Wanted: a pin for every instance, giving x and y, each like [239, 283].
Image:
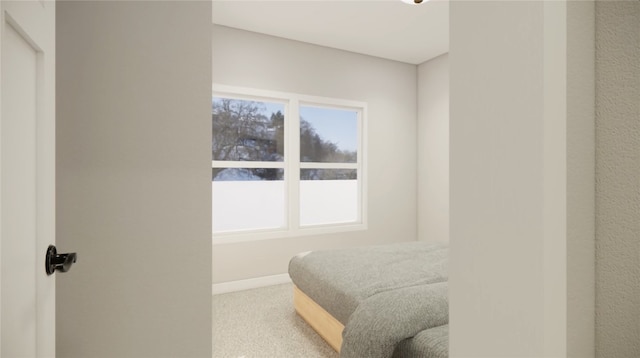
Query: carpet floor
[261, 323]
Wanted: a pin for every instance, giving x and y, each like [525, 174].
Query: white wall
[497, 229]
[433, 149]
[618, 178]
[247, 59]
[133, 178]
[515, 210]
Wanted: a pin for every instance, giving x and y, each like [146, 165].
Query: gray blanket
[430, 343]
[387, 318]
[339, 280]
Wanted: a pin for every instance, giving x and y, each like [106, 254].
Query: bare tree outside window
[247, 131]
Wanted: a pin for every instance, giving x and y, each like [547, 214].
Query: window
[285, 165]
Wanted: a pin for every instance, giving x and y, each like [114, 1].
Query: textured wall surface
[618, 179]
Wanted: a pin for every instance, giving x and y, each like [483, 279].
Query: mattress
[339, 280]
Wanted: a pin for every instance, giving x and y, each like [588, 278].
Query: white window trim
[292, 165]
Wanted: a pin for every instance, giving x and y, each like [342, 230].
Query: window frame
[292, 164]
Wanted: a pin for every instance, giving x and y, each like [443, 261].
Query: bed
[378, 301]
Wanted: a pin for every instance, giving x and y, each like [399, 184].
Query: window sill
[259, 235]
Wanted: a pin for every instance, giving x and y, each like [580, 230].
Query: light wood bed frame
[329, 328]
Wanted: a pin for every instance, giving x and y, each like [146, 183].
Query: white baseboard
[241, 285]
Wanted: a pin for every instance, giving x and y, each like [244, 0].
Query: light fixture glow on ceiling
[414, 2]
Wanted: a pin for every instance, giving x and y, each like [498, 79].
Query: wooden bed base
[329, 328]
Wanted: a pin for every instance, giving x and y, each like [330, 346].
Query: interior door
[27, 174]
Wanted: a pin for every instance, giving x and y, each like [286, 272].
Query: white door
[27, 174]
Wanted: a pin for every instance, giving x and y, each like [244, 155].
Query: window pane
[243, 200]
[328, 199]
[247, 174]
[328, 174]
[328, 135]
[247, 130]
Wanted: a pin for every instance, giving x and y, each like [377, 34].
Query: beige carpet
[262, 323]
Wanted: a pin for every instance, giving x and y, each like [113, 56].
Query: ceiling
[388, 29]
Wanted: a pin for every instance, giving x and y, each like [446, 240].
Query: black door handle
[60, 262]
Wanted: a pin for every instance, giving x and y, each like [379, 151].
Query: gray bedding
[430, 343]
[384, 320]
[392, 299]
[339, 280]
